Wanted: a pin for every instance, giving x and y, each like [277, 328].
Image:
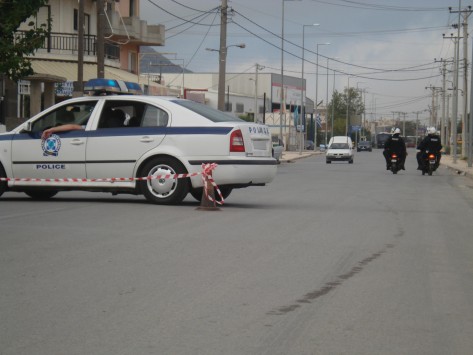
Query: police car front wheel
[162, 187]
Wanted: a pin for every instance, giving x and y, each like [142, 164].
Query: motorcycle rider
[430, 143]
[395, 144]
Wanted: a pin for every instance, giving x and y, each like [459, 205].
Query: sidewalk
[460, 167]
[289, 157]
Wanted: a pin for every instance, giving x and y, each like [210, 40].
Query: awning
[68, 70]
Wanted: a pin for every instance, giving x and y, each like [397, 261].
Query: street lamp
[348, 107]
[282, 70]
[221, 72]
[316, 92]
[302, 84]
[363, 121]
[258, 67]
[333, 91]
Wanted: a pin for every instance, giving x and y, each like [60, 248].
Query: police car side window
[154, 117]
[78, 113]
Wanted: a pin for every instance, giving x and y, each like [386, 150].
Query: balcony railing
[69, 43]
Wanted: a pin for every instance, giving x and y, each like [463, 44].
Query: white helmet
[397, 130]
[431, 130]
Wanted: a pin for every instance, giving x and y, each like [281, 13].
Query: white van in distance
[340, 148]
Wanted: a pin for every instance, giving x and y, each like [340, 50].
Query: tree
[15, 46]
[350, 98]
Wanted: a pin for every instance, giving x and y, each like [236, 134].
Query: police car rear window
[208, 112]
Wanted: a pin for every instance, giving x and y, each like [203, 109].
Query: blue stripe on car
[123, 131]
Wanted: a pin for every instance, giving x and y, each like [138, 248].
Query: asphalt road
[328, 259]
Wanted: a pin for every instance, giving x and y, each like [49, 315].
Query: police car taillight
[236, 142]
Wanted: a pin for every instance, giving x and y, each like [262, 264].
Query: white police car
[134, 137]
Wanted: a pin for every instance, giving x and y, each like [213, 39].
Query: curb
[293, 156]
[458, 169]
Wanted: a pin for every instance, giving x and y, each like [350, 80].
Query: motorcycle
[430, 163]
[395, 163]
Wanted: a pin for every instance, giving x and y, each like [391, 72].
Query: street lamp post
[303, 86]
[361, 91]
[221, 72]
[283, 104]
[348, 107]
[316, 91]
[333, 106]
[258, 67]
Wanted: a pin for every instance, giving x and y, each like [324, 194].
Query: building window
[240, 108]
[132, 8]
[132, 63]
[76, 20]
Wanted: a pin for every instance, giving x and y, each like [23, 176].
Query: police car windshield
[206, 111]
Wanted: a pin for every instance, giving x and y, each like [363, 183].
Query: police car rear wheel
[41, 195]
[164, 190]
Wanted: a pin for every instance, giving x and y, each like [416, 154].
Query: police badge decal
[51, 145]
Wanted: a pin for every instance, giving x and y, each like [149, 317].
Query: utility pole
[433, 114]
[79, 85]
[465, 13]
[443, 120]
[222, 56]
[100, 40]
[455, 84]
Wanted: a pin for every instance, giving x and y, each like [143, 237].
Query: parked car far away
[364, 146]
[309, 145]
[340, 148]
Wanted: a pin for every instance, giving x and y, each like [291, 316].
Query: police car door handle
[77, 142]
[146, 139]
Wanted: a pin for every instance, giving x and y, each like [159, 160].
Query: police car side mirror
[27, 127]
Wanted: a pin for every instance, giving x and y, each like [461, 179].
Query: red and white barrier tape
[206, 176]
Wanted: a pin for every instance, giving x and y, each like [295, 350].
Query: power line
[370, 6]
[178, 17]
[298, 46]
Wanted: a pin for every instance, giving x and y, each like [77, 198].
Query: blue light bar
[100, 86]
[134, 88]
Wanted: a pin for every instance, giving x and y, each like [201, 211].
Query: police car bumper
[237, 172]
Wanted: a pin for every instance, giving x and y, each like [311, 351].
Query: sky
[389, 48]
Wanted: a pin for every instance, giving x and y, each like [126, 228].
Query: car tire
[350, 161]
[3, 184]
[197, 193]
[328, 162]
[41, 195]
[164, 191]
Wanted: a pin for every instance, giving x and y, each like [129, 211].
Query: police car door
[127, 129]
[62, 155]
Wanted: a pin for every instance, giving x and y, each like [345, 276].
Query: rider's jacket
[431, 143]
[395, 144]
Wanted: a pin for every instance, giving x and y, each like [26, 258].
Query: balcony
[65, 46]
[133, 30]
